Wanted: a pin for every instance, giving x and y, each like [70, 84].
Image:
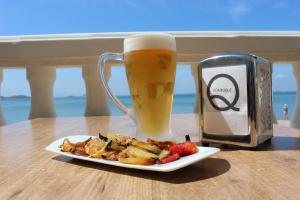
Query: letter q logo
[211, 97]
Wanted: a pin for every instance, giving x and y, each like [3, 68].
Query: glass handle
[106, 57]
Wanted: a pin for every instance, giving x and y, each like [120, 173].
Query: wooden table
[27, 171]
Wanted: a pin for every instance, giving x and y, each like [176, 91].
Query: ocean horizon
[16, 108]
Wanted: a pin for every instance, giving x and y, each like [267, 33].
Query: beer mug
[150, 63]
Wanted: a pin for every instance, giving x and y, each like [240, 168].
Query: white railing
[42, 54]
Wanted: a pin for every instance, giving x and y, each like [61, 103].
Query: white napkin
[226, 112]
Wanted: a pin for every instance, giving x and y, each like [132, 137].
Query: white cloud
[238, 9]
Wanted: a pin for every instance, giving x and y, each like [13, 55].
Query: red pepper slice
[170, 158]
[184, 149]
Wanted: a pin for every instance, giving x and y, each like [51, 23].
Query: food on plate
[161, 144]
[96, 147]
[129, 150]
[119, 139]
[184, 149]
[144, 145]
[163, 154]
[137, 161]
[67, 146]
[140, 153]
[170, 158]
[77, 148]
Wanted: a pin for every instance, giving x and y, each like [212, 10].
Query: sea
[17, 109]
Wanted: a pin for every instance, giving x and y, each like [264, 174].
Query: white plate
[203, 152]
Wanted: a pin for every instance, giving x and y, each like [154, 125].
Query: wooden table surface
[27, 171]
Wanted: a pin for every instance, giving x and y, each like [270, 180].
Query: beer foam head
[150, 41]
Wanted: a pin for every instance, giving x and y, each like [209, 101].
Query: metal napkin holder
[235, 122]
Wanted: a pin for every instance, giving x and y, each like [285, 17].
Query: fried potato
[67, 146]
[116, 147]
[119, 139]
[82, 144]
[161, 144]
[165, 153]
[123, 154]
[139, 153]
[143, 145]
[77, 148]
[110, 155]
[80, 151]
[95, 147]
[137, 161]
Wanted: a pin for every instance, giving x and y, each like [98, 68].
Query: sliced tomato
[170, 158]
[184, 149]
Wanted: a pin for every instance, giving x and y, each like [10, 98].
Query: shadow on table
[280, 143]
[277, 143]
[205, 169]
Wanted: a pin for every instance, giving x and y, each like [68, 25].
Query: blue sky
[81, 16]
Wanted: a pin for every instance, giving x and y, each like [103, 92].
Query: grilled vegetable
[116, 147]
[102, 137]
[95, 147]
[165, 153]
[143, 145]
[139, 153]
[184, 149]
[187, 138]
[80, 151]
[110, 155]
[76, 148]
[67, 146]
[137, 161]
[119, 139]
[170, 158]
[161, 144]
[82, 144]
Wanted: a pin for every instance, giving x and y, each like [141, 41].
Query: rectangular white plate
[203, 153]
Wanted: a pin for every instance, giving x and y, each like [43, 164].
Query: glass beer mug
[150, 63]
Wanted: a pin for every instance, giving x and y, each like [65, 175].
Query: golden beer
[151, 75]
[150, 62]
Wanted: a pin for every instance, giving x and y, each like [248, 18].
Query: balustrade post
[2, 119]
[96, 98]
[41, 81]
[274, 116]
[194, 70]
[295, 122]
